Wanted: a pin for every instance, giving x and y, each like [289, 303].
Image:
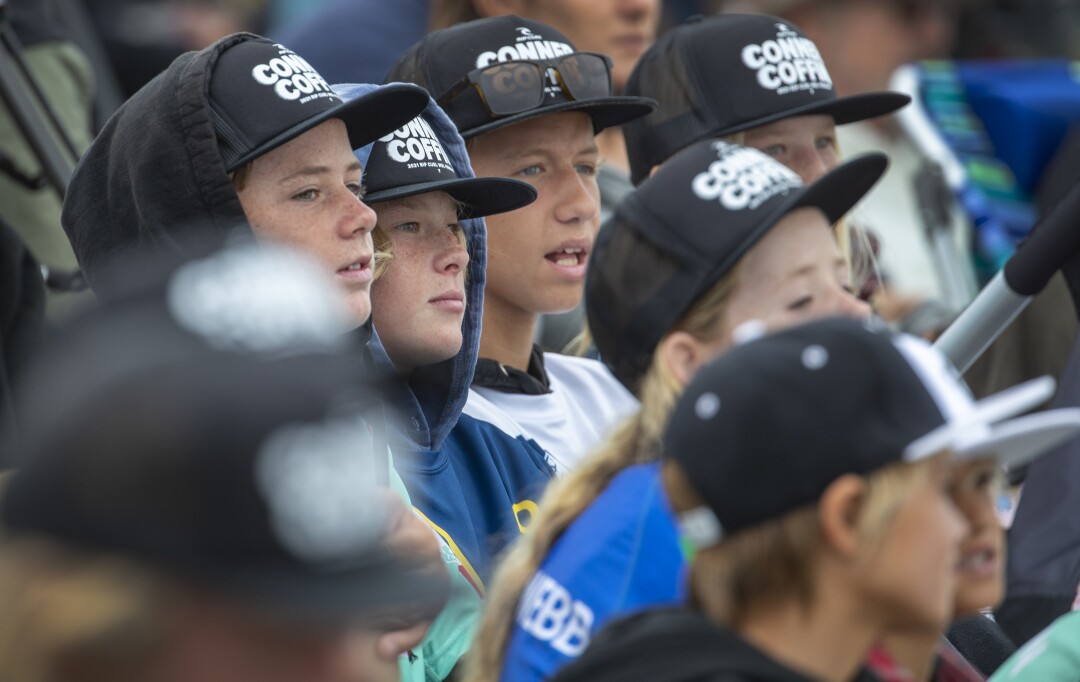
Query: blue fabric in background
[1027, 108]
[355, 41]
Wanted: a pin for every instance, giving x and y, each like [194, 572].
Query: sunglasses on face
[509, 88]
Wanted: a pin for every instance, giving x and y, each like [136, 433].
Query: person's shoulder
[579, 375]
[482, 408]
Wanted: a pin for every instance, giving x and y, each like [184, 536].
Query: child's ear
[495, 8]
[839, 510]
[683, 354]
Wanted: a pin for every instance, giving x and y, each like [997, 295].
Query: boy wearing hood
[246, 133]
[467, 476]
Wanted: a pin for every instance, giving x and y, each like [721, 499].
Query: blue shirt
[620, 555]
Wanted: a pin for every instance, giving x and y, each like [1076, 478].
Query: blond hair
[775, 561]
[70, 615]
[636, 441]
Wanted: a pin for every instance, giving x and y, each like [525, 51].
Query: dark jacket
[675, 645]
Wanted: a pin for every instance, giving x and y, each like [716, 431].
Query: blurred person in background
[199, 494]
[245, 135]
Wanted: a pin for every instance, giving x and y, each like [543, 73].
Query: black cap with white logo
[673, 238]
[731, 72]
[411, 161]
[765, 428]
[263, 94]
[443, 59]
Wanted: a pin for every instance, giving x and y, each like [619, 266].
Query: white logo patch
[743, 178]
[260, 298]
[790, 63]
[551, 614]
[292, 78]
[317, 480]
[415, 144]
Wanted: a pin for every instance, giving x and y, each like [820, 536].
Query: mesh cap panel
[677, 121]
[635, 291]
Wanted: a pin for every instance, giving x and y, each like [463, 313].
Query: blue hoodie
[476, 478]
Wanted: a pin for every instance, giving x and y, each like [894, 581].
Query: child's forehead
[426, 201]
[560, 133]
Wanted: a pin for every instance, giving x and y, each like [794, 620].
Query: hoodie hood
[673, 645]
[435, 395]
[153, 176]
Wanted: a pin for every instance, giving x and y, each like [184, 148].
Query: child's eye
[530, 171]
[774, 150]
[586, 169]
[801, 303]
[307, 195]
[825, 142]
[408, 226]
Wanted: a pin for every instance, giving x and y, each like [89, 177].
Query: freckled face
[305, 194]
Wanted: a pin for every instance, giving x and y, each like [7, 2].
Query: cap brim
[836, 192]
[479, 196]
[1019, 441]
[365, 594]
[984, 431]
[366, 118]
[844, 110]
[605, 112]
[833, 193]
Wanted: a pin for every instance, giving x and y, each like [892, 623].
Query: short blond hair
[775, 561]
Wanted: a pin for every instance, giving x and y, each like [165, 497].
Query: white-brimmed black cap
[765, 428]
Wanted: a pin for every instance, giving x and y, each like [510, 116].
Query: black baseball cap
[669, 241]
[727, 73]
[411, 161]
[766, 427]
[224, 434]
[262, 94]
[442, 58]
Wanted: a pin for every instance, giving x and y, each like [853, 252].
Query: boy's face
[419, 301]
[305, 194]
[805, 144]
[980, 580]
[911, 576]
[537, 254]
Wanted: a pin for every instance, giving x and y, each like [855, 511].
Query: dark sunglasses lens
[586, 76]
[512, 87]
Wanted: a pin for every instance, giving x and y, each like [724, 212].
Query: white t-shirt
[585, 405]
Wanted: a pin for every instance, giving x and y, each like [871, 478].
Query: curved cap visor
[366, 119]
[261, 95]
[1020, 441]
[843, 110]
[479, 196]
[605, 112]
